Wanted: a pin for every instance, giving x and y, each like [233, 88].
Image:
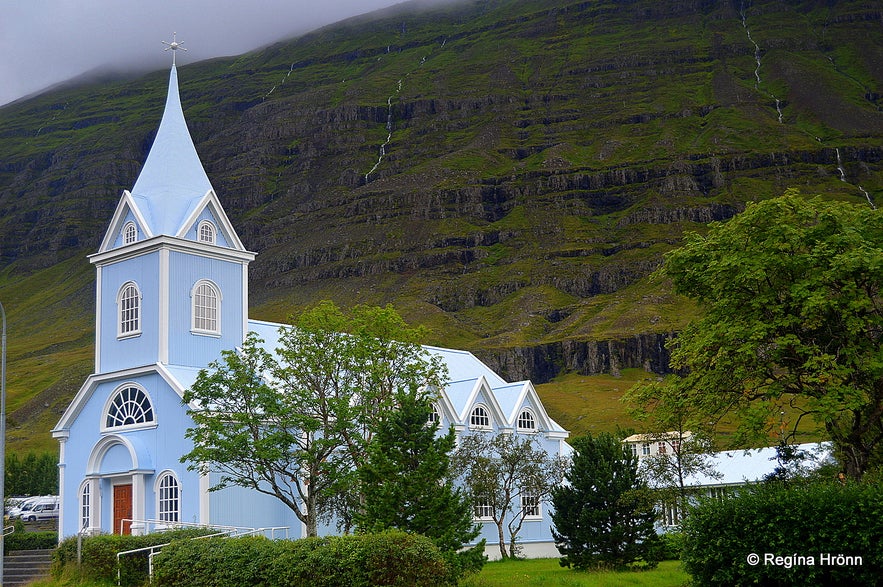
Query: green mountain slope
[508, 172]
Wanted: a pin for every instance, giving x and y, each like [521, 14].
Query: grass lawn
[546, 572]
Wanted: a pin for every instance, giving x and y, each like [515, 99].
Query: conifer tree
[406, 485]
[604, 513]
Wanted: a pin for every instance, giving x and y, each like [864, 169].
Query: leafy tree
[507, 476]
[603, 512]
[33, 475]
[792, 322]
[669, 417]
[407, 485]
[295, 424]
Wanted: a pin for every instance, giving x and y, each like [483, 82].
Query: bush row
[99, 555]
[391, 558]
[811, 534]
[30, 541]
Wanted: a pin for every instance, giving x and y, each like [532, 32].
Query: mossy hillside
[543, 158]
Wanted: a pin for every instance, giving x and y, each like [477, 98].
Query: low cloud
[44, 42]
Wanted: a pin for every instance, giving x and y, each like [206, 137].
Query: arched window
[526, 421]
[129, 303]
[86, 505]
[479, 417]
[130, 233]
[206, 314]
[168, 498]
[206, 232]
[434, 416]
[129, 406]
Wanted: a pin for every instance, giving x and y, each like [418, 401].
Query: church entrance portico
[116, 469]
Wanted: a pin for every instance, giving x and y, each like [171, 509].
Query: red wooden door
[122, 509]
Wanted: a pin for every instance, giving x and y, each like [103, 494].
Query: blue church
[172, 293]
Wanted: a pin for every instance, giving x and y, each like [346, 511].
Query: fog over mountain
[47, 42]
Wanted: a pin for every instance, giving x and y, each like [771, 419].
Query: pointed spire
[172, 180]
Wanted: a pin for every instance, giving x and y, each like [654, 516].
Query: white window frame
[207, 232]
[434, 415]
[480, 418]
[145, 406]
[168, 507]
[526, 416]
[534, 504]
[129, 310]
[130, 233]
[645, 449]
[199, 322]
[482, 509]
[86, 504]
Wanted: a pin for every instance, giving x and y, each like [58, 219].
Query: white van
[23, 505]
[35, 508]
[44, 509]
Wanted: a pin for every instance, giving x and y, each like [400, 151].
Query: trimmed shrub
[99, 554]
[811, 534]
[30, 541]
[218, 562]
[392, 558]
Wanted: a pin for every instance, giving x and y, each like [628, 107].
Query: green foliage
[604, 515]
[787, 521]
[99, 554]
[21, 540]
[391, 558]
[335, 378]
[32, 475]
[791, 290]
[672, 545]
[407, 485]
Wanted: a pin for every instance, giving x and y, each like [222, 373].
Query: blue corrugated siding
[138, 350]
[186, 348]
[237, 506]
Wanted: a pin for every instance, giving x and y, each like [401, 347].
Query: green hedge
[810, 534]
[391, 558]
[30, 541]
[99, 554]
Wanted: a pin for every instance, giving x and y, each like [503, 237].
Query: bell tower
[172, 274]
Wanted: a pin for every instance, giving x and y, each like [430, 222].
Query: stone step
[20, 567]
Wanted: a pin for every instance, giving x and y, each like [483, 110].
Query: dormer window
[434, 416]
[480, 418]
[130, 233]
[206, 232]
[526, 421]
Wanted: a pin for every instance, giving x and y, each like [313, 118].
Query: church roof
[469, 381]
[172, 182]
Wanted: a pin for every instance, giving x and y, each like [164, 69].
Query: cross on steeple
[174, 46]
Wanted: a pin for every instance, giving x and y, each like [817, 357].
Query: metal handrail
[8, 530]
[226, 531]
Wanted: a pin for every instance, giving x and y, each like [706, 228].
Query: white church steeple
[172, 273]
[173, 180]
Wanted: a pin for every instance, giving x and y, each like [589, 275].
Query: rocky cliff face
[508, 172]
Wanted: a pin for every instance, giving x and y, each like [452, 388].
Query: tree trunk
[502, 536]
[312, 524]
